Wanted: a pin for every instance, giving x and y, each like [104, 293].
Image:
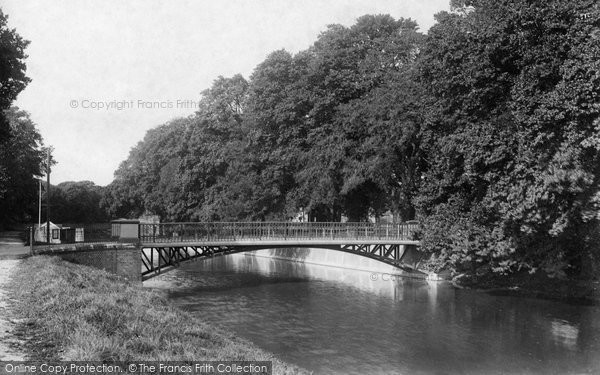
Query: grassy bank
[72, 312]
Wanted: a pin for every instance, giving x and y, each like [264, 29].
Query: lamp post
[48, 198]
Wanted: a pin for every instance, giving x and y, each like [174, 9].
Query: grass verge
[72, 312]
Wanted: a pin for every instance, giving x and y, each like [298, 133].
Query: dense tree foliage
[12, 72]
[513, 148]
[19, 139]
[352, 74]
[75, 203]
[20, 163]
[487, 129]
[314, 131]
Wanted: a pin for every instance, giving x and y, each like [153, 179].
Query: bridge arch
[160, 259]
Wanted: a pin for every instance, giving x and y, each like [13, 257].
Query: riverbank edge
[575, 292]
[72, 312]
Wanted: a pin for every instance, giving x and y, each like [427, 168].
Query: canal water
[334, 320]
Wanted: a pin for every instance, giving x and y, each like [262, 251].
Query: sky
[106, 71]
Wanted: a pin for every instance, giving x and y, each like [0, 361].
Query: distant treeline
[76, 202]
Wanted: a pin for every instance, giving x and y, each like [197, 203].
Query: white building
[40, 233]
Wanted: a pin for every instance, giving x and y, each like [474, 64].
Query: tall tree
[350, 70]
[20, 162]
[384, 157]
[147, 180]
[12, 71]
[193, 168]
[278, 104]
[216, 141]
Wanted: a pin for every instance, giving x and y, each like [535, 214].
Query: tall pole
[48, 198]
[40, 204]
[39, 227]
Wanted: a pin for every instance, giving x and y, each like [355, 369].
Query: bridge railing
[240, 231]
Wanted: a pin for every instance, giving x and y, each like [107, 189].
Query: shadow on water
[333, 320]
[573, 301]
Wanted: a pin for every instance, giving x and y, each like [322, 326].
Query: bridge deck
[275, 234]
[275, 242]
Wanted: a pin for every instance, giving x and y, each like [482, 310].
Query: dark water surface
[332, 320]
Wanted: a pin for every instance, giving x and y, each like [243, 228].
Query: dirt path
[7, 351]
[12, 246]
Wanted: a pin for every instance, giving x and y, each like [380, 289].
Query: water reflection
[342, 321]
[565, 333]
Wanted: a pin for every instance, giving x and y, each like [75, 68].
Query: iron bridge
[166, 245]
